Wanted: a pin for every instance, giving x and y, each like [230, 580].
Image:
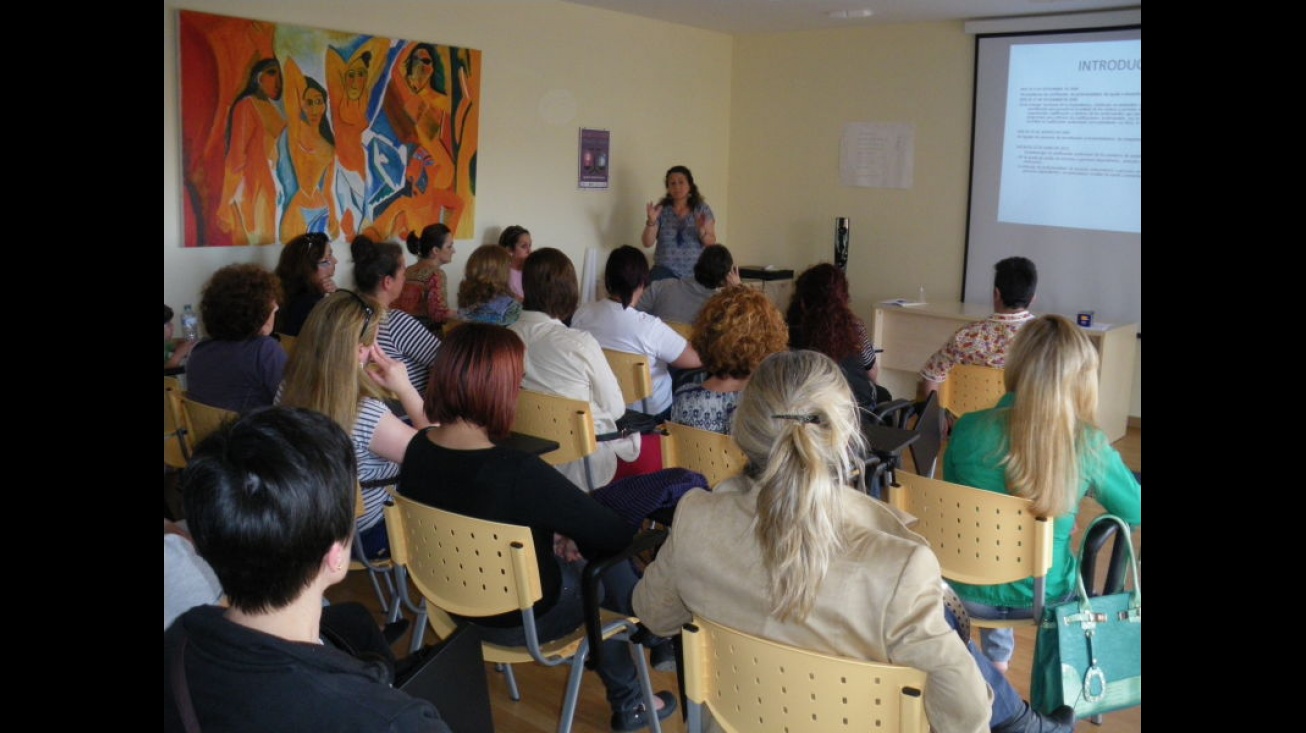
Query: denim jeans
[1007, 703]
[1000, 644]
[375, 541]
[617, 669]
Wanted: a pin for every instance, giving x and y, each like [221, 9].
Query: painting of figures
[288, 129]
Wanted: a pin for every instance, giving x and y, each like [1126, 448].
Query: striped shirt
[371, 466]
[406, 340]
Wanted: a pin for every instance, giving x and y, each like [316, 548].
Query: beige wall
[757, 118]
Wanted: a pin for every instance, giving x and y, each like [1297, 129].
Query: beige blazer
[881, 601]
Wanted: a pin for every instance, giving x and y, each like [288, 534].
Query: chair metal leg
[572, 694]
[694, 724]
[645, 683]
[514, 694]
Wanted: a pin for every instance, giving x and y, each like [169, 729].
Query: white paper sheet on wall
[877, 154]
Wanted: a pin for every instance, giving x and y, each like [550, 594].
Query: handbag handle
[1136, 596]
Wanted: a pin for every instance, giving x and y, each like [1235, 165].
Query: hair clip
[805, 419]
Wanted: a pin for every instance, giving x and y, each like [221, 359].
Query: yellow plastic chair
[176, 440]
[202, 419]
[979, 537]
[634, 375]
[380, 571]
[476, 568]
[570, 422]
[752, 684]
[716, 456]
[287, 343]
[969, 388]
[684, 329]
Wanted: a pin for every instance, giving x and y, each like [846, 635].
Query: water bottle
[190, 324]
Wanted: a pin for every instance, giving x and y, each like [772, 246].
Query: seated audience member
[618, 325]
[484, 295]
[188, 581]
[306, 270]
[175, 350]
[340, 371]
[270, 503]
[517, 241]
[1041, 442]
[425, 297]
[736, 330]
[455, 465]
[568, 362]
[379, 272]
[984, 343]
[678, 300]
[791, 552]
[239, 366]
[821, 318]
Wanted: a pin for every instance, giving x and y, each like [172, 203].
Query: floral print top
[982, 343]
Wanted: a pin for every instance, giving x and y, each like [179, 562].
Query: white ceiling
[738, 17]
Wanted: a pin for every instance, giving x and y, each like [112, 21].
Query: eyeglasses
[366, 309]
[324, 263]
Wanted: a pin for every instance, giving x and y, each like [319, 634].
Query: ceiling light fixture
[847, 14]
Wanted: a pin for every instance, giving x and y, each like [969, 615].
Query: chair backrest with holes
[751, 684]
[570, 422]
[634, 375]
[465, 566]
[204, 419]
[979, 537]
[970, 387]
[716, 456]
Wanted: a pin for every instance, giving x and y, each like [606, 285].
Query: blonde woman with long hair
[339, 370]
[791, 552]
[1041, 442]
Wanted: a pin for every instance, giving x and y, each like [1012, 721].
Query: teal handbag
[1088, 652]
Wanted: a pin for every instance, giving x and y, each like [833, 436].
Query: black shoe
[394, 631]
[663, 656]
[637, 718]
[1061, 720]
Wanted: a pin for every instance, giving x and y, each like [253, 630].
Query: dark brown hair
[237, 301]
[548, 281]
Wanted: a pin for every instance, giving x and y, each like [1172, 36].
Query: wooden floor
[542, 688]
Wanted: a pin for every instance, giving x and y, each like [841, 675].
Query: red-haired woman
[821, 319]
[455, 465]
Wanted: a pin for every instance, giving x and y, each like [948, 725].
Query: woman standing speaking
[680, 224]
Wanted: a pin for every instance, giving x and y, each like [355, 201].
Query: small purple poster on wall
[593, 158]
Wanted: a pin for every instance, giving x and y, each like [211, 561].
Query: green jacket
[974, 451]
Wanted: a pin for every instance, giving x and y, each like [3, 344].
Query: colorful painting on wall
[287, 129]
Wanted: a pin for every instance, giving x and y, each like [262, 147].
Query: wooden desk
[909, 336]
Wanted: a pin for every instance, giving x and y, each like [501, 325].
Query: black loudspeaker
[841, 233]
